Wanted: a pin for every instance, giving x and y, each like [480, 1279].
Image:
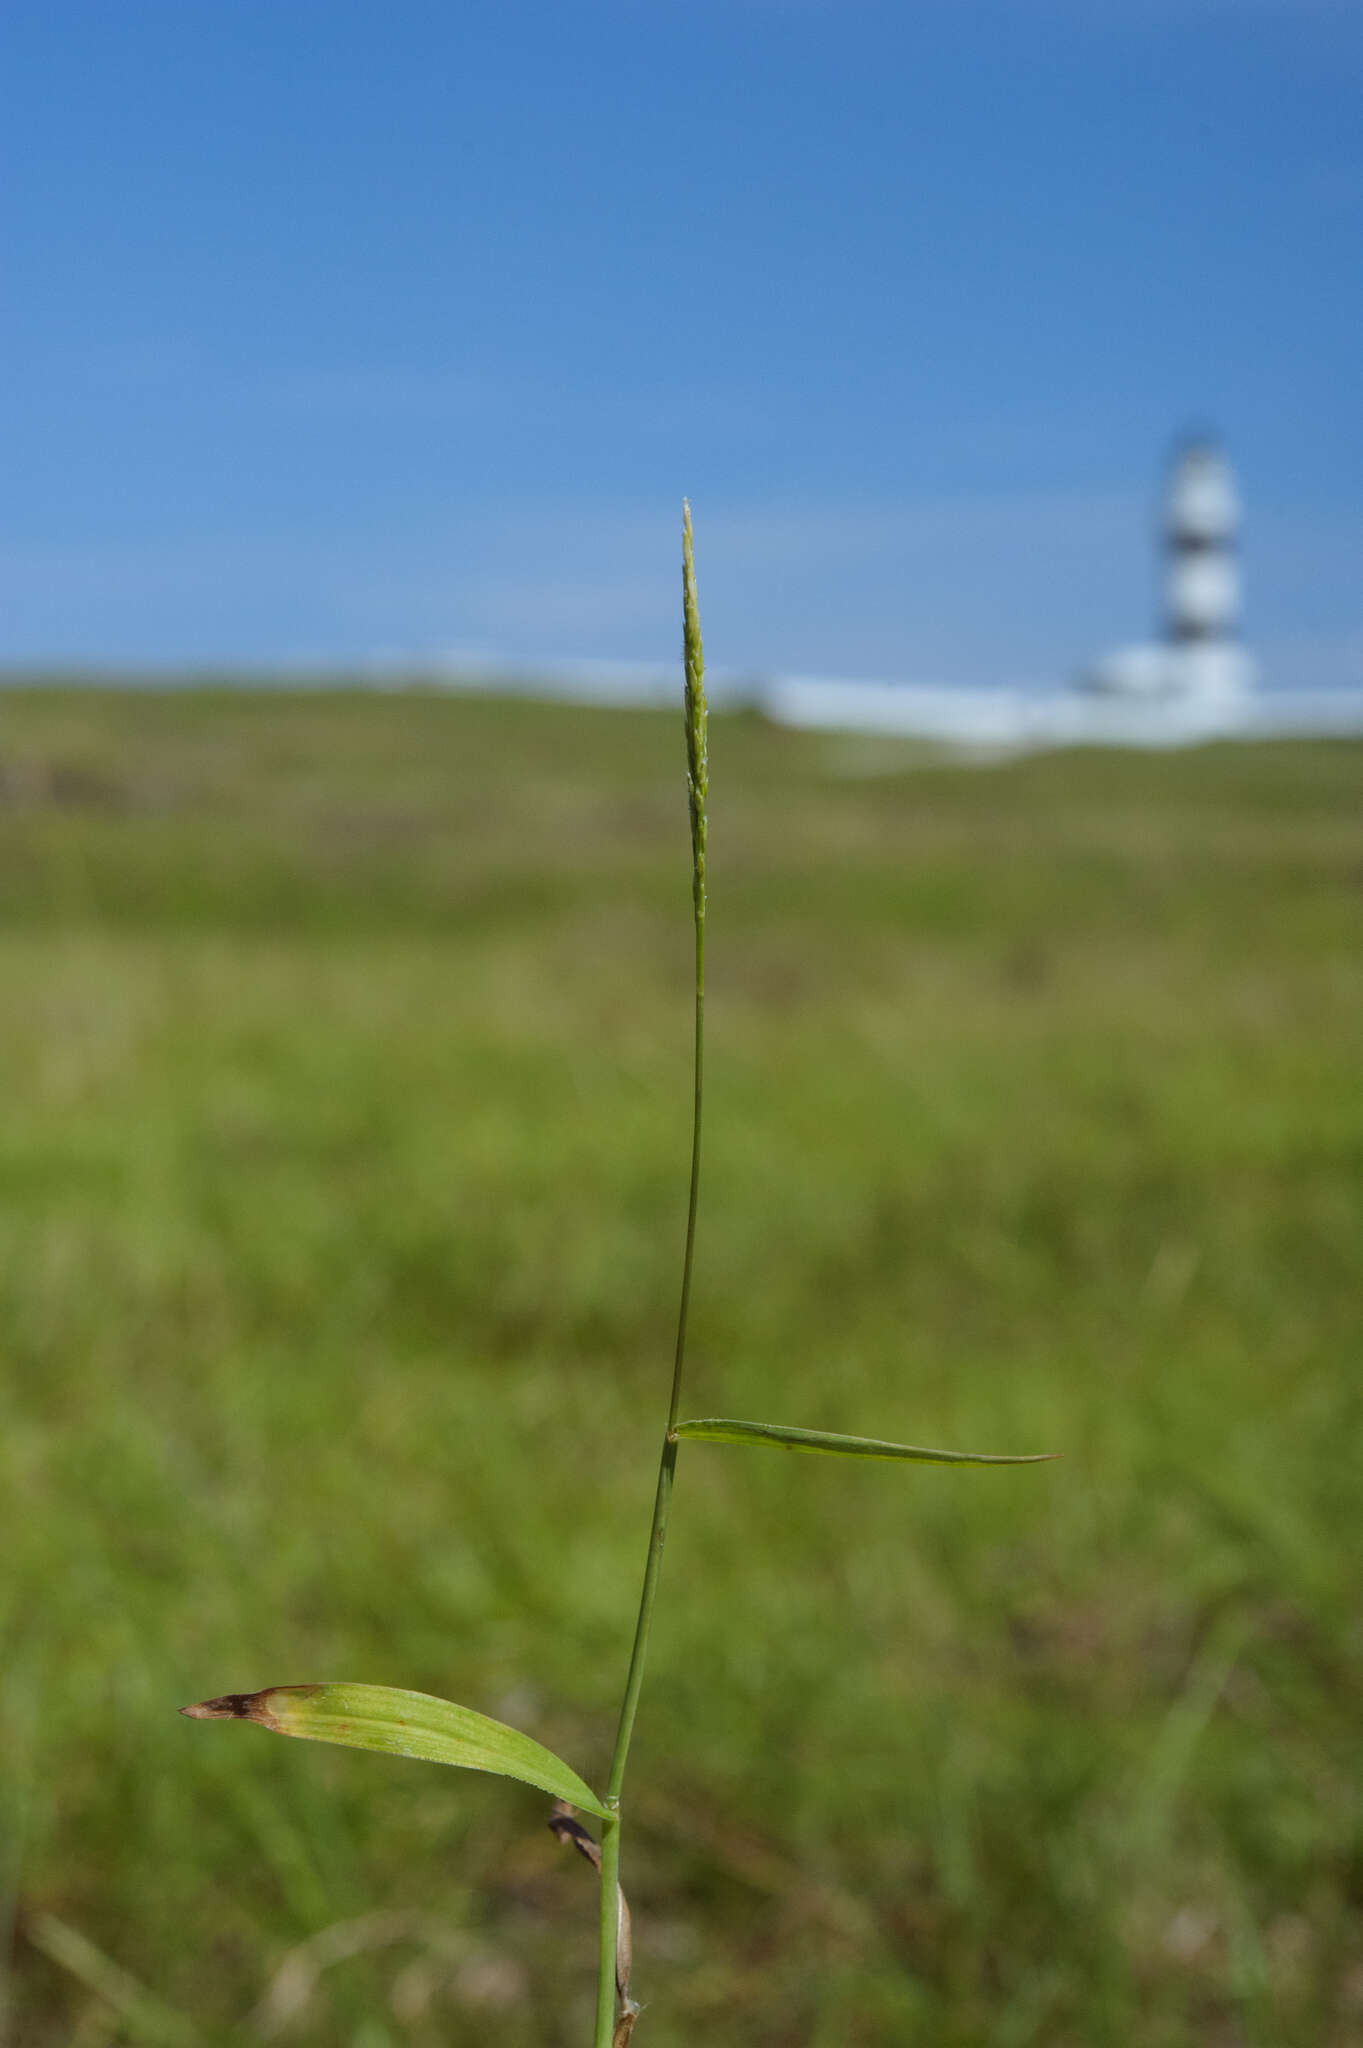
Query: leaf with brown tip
[396, 1723]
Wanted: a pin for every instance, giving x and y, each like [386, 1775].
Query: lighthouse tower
[1199, 662]
[1202, 580]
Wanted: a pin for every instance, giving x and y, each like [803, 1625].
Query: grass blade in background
[397, 1723]
[778, 1437]
[141, 2015]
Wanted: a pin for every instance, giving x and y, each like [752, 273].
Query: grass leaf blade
[397, 1723]
[779, 1436]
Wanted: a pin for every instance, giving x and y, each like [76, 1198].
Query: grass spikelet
[697, 727]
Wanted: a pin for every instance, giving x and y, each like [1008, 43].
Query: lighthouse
[1202, 576]
[1199, 659]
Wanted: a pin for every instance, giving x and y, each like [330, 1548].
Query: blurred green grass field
[345, 1053]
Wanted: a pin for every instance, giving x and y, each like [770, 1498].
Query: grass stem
[610, 1916]
[697, 782]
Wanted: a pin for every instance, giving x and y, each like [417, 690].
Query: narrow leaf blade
[778, 1436]
[397, 1723]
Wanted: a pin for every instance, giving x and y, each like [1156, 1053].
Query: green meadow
[345, 1046]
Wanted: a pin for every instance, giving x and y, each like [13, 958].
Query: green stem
[697, 783]
[610, 1910]
[667, 1463]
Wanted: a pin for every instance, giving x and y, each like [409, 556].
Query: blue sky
[338, 332]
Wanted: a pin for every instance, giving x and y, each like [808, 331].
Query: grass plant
[403, 1723]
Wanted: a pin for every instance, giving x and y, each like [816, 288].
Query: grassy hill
[345, 1049]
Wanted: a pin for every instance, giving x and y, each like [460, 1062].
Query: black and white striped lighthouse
[1202, 574]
